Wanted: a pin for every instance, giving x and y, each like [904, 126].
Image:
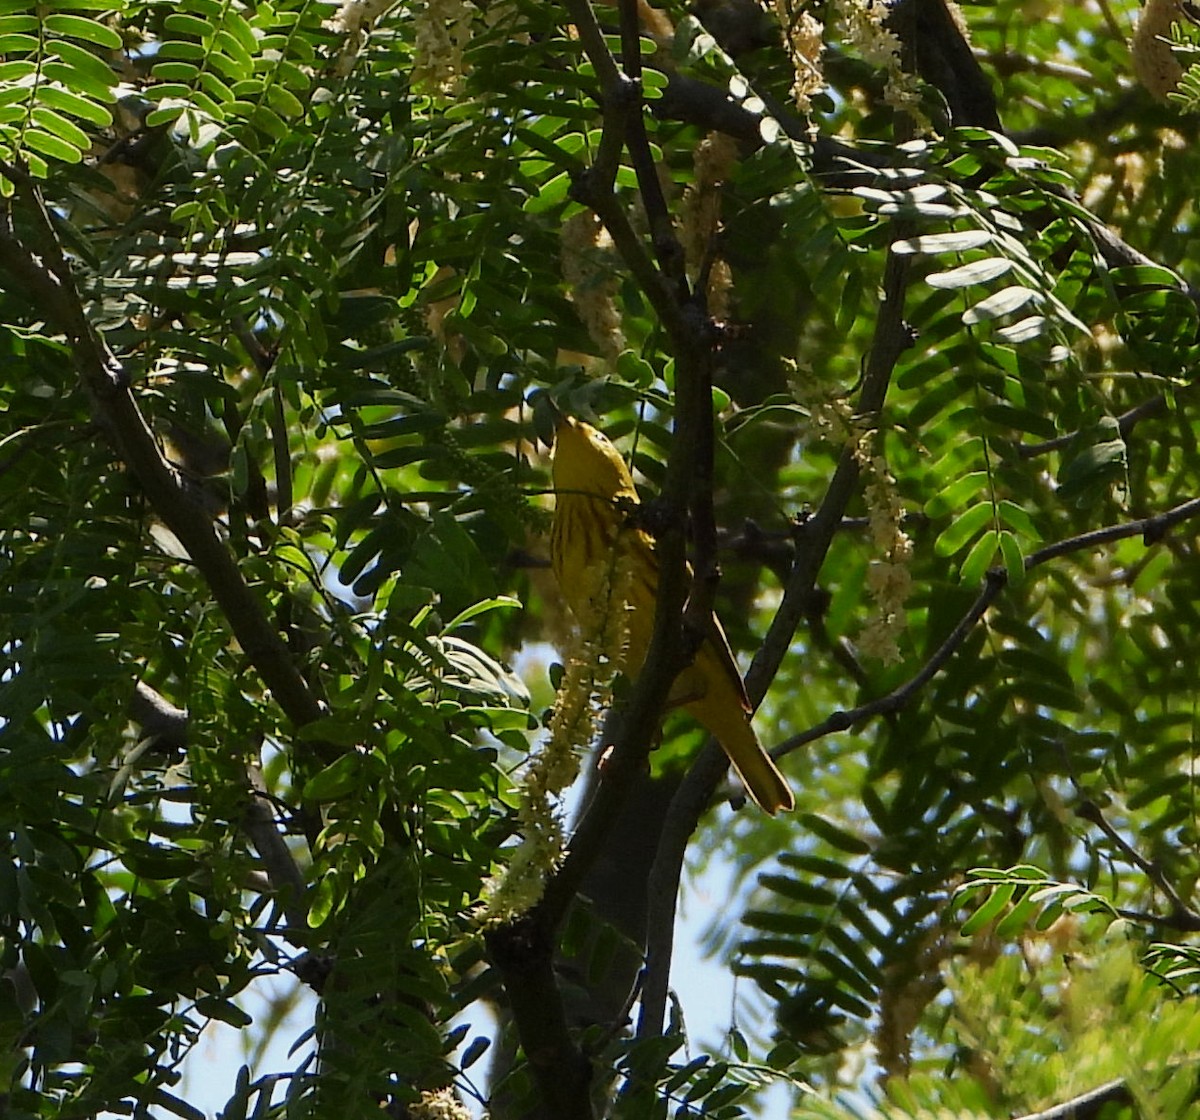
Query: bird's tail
[721, 706]
[757, 769]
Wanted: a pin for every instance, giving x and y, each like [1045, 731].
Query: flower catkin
[591, 279]
[803, 38]
[352, 21]
[889, 576]
[712, 163]
[440, 1104]
[442, 30]
[864, 23]
[1154, 61]
[583, 695]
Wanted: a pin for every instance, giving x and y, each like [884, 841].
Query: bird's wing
[719, 644]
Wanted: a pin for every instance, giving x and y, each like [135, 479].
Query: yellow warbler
[605, 564]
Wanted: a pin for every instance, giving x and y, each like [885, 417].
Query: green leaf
[177, 48]
[78, 27]
[923, 192]
[814, 865]
[174, 71]
[834, 834]
[54, 146]
[176, 1105]
[83, 72]
[216, 88]
[1020, 419]
[263, 118]
[484, 606]
[284, 102]
[67, 102]
[1014, 559]
[63, 128]
[157, 117]
[223, 1010]
[183, 24]
[956, 535]
[324, 899]
[979, 559]
[1149, 275]
[339, 779]
[1096, 459]
[1003, 302]
[551, 194]
[955, 241]
[1024, 330]
[989, 911]
[977, 272]
[851, 300]
[635, 369]
[474, 1052]
[953, 496]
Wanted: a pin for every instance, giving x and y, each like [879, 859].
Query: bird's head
[585, 461]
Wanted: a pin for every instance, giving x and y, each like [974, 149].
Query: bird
[604, 562]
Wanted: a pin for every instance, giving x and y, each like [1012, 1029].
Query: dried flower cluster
[441, 1104]
[436, 312]
[864, 24]
[351, 17]
[907, 992]
[830, 418]
[588, 269]
[442, 30]
[1154, 62]
[803, 38]
[700, 220]
[889, 578]
[585, 692]
[352, 21]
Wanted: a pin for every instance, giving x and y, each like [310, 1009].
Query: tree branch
[282, 870]
[1126, 422]
[994, 582]
[667, 249]
[1086, 1106]
[159, 719]
[523, 951]
[688, 484]
[45, 275]
[944, 58]
[814, 538]
[1151, 529]
[168, 726]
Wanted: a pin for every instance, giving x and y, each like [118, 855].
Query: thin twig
[1186, 922]
[667, 248]
[900, 697]
[1126, 422]
[1151, 529]
[282, 870]
[159, 719]
[1089, 811]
